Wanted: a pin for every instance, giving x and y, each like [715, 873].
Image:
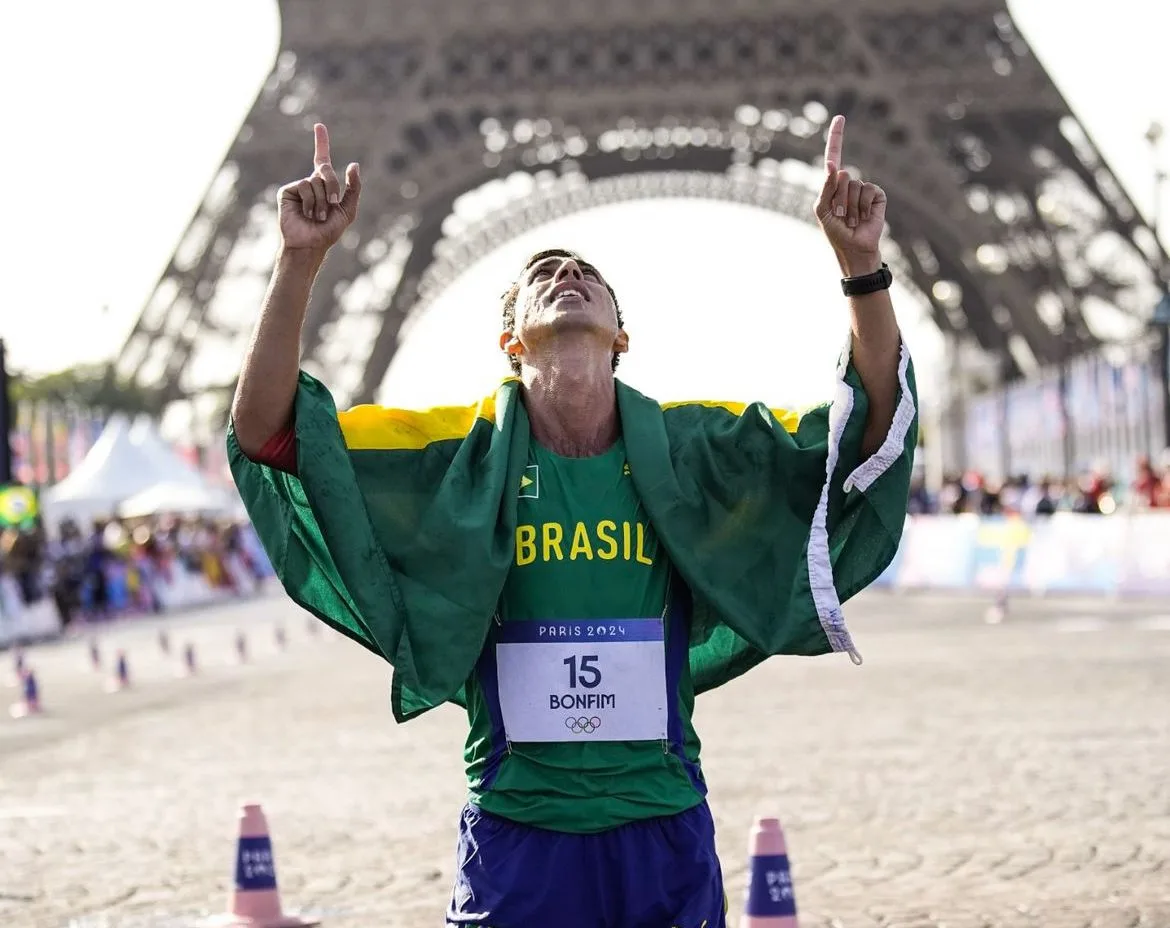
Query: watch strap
[868, 283]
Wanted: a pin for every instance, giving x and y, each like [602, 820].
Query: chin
[576, 322]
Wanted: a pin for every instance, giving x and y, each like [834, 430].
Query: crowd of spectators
[1094, 491]
[114, 568]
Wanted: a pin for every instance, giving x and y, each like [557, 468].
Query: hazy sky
[117, 114]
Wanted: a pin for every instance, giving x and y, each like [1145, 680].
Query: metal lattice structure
[476, 121]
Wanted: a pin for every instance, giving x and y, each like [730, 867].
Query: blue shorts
[657, 873]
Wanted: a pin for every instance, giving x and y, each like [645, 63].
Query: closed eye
[545, 271]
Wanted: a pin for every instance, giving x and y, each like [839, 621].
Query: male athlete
[573, 562]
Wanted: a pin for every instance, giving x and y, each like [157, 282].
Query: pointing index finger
[320, 145]
[833, 145]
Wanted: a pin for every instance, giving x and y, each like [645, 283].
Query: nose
[569, 270]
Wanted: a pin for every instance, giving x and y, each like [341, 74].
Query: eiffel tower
[1008, 221]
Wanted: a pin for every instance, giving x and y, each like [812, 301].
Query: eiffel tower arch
[1004, 216]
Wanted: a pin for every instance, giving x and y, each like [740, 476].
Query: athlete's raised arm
[852, 215]
[313, 214]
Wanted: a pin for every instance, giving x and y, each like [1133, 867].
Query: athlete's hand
[315, 211]
[851, 213]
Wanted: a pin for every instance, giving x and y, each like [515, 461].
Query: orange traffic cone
[770, 901]
[255, 900]
[190, 664]
[30, 701]
[121, 679]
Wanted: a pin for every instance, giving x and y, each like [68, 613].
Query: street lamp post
[1154, 137]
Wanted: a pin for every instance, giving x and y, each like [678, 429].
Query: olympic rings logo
[581, 725]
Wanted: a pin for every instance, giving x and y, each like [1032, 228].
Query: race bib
[583, 680]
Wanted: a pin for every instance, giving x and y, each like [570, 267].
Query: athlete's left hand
[851, 213]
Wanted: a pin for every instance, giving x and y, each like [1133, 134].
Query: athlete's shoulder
[702, 410]
[372, 427]
[788, 419]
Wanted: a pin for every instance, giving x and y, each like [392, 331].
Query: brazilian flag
[398, 528]
[18, 507]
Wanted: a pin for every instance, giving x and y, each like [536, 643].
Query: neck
[572, 408]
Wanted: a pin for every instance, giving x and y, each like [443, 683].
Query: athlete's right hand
[315, 211]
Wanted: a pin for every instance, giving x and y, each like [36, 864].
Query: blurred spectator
[22, 555]
[1150, 488]
[1095, 496]
[919, 502]
[1038, 499]
[1011, 496]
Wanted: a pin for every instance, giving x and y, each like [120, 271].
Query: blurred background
[675, 143]
[1022, 154]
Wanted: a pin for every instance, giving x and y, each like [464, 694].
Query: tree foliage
[89, 386]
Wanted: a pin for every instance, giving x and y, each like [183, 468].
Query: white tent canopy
[125, 460]
[177, 497]
[164, 459]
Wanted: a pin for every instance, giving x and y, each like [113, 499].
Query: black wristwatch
[868, 283]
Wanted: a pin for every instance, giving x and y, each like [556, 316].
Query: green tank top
[584, 646]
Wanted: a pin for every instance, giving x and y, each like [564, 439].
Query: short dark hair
[514, 291]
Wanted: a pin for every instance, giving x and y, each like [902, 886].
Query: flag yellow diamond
[530, 482]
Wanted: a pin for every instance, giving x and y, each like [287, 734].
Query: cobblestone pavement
[968, 775]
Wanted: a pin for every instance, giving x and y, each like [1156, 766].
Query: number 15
[587, 673]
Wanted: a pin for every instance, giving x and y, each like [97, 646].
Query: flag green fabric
[399, 528]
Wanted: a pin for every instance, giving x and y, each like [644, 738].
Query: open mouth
[567, 291]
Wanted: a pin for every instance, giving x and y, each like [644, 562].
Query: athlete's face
[562, 295]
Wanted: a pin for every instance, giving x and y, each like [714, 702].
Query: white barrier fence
[179, 588]
[1124, 555]
[25, 622]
